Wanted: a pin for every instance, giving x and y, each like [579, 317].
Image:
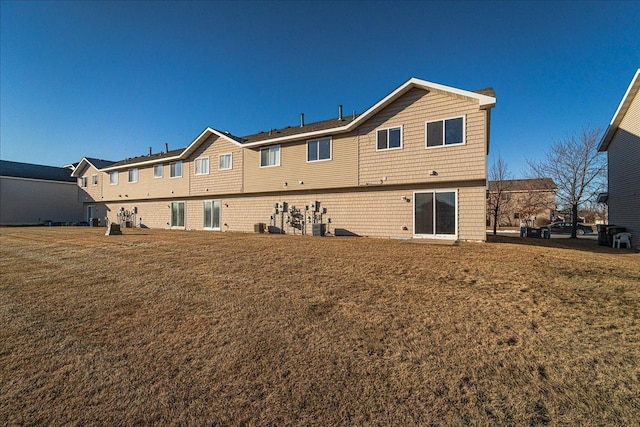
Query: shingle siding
[624, 173]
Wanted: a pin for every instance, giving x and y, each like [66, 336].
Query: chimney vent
[149, 151]
[301, 119]
[340, 112]
[166, 147]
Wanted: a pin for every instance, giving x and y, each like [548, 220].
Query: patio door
[177, 215]
[435, 214]
[212, 215]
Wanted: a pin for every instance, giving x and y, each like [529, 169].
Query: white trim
[436, 236]
[230, 163]
[484, 101]
[195, 165]
[388, 129]
[318, 140]
[444, 132]
[625, 103]
[279, 155]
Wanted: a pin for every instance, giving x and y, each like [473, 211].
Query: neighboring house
[621, 141]
[34, 194]
[412, 165]
[522, 201]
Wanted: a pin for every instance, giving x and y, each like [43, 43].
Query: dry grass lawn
[200, 328]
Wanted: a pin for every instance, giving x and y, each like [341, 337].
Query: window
[94, 179]
[177, 214]
[157, 171]
[212, 214]
[319, 149]
[516, 215]
[435, 213]
[175, 169]
[202, 166]
[133, 175]
[389, 139]
[445, 132]
[270, 156]
[225, 161]
[83, 181]
[113, 178]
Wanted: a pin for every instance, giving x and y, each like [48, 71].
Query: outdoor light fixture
[433, 173]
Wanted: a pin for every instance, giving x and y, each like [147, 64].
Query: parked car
[565, 227]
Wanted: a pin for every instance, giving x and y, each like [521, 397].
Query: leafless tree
[498, 174]
[576, 167]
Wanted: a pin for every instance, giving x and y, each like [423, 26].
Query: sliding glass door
[435, 214]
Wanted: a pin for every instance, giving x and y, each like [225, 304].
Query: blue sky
[110, 79]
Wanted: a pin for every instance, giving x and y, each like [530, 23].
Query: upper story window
[175, 169]
[445, 132]
[270, 156]
[202, 166]
[225, 161]
[389, 139]
[83, 181]
[94, 179]
[319, 149]
[113, 178]
[157, 171]
[133, 175]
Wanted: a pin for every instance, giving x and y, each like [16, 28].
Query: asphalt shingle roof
[524, 184]
[31, 171]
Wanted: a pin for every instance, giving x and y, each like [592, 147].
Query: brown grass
[197, 328]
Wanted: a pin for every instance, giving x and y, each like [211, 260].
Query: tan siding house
[411, 166]
[622, 144]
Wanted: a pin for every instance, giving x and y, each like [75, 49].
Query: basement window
[389, 139]
[445, 132]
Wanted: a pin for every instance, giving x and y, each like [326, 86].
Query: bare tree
[498, 175]
[576, 167]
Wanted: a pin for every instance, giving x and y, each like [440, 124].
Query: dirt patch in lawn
[161, 327]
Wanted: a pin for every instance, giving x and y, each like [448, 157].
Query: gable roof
[90, 161]
[31, 171]
[484, 97]
[534, 184]
[628, 97]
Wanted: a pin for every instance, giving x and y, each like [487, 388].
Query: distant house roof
[631, 92]
[534, 184]
[31, 171]
[486, 99]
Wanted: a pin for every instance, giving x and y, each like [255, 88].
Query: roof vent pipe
[340, 112]
[301, 119]
[166, 147]
[149, 151]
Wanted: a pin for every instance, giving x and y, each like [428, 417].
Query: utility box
[318, 229]
[259, 227]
